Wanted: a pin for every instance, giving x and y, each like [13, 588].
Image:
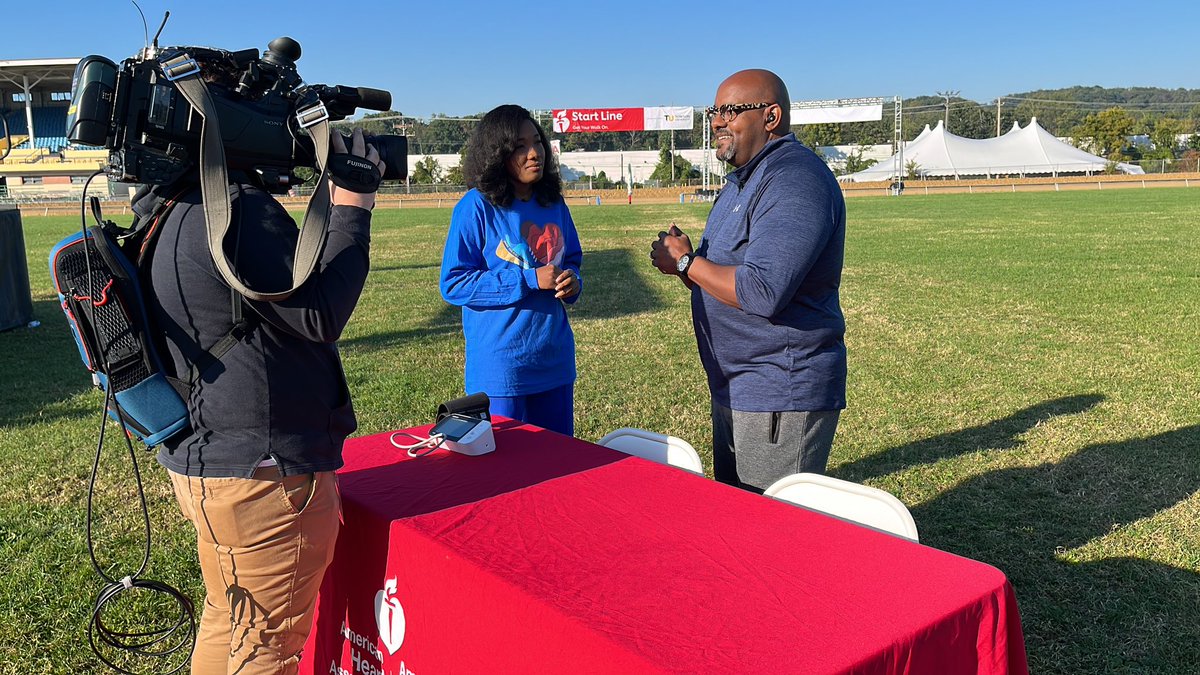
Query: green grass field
[1024, 375]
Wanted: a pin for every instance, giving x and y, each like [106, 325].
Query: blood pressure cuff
[471, 405]
[354, 173]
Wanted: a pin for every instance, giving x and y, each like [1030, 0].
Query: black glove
[353, 173]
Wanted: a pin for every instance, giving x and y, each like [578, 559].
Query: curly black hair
[493, 141]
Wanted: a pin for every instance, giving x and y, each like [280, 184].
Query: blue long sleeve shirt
[781, 220]
[518, 339]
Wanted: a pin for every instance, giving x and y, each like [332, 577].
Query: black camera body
[153, 135]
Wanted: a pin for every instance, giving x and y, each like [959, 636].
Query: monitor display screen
[454, 428]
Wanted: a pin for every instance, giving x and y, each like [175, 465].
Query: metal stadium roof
[33, 72]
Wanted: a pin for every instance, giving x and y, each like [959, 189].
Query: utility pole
[401, 126]
[999, 102]
[898, 141]
[947, 95]
[706, 143]
[672, 155]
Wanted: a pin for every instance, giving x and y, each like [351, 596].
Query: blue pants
[553, 410]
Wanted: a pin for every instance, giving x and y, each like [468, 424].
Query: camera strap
[184, 73]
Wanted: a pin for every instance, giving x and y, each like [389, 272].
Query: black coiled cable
[169, 641]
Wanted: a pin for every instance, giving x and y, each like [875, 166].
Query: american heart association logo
[561, 123]
[389, 617]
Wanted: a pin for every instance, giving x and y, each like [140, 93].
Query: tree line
[1101, 119]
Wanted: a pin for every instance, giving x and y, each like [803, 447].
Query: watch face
[682, 264]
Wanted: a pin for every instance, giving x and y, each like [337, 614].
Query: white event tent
[1020, 152]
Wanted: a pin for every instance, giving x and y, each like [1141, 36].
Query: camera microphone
[373, 99]
[342, 100]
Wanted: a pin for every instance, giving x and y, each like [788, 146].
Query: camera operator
[254, 472]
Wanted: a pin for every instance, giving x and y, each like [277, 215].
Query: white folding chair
[849, 501]
[655, 447]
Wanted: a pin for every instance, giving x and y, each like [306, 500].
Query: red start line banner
[575, 120]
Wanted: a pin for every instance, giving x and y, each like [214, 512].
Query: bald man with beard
[764, 284]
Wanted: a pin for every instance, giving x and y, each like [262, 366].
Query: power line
[1102, 103]
[1081, 105]
[948, 95]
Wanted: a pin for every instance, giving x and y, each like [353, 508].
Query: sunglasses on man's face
[729, 111]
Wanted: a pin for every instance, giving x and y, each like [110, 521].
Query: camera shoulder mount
[183, 71]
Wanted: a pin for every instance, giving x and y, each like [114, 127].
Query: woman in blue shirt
[511, 261]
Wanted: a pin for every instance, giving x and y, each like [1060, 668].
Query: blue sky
[463, 57]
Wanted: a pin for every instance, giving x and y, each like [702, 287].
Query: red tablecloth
[554, 555]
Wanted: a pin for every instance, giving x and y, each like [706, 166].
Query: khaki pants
[264, 543]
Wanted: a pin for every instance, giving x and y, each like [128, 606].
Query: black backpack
[100, 291]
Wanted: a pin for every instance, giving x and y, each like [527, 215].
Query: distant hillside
[1127, 96]
[1147, 105]
[1060, 111]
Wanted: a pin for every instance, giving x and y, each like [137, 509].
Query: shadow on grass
[997, 435]
[412, 266]
[447, 321]
[38, 367]
[1119, 614]
[613, 287]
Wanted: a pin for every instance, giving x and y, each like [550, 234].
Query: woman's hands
[564, 283]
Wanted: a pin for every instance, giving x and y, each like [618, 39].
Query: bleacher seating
[49, 123]
[15, 140]
[25, 155]
[84, 154]
[16, 122]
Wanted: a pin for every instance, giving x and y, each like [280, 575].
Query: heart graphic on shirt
[546, 242]
[516, 252]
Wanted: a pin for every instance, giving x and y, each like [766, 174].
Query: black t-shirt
[280, 391]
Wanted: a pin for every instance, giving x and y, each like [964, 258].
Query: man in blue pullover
[764, 284]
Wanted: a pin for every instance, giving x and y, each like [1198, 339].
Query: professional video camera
[154, 136]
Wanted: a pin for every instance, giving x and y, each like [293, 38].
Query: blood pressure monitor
[462, 425]
[464, 434]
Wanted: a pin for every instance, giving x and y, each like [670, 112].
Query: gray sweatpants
[751, 450]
